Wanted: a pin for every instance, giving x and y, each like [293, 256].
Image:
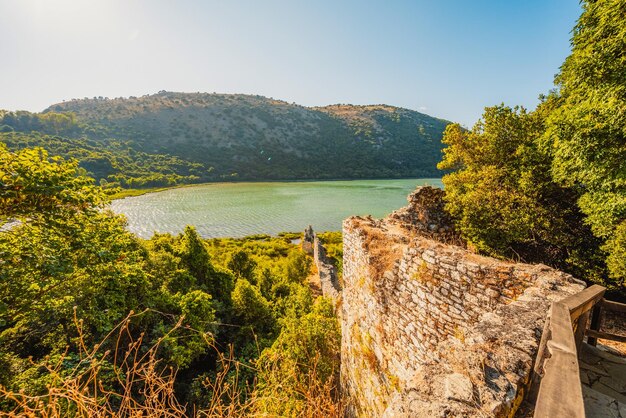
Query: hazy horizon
[446, 59]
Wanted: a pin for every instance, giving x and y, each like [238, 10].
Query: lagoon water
[241, 209]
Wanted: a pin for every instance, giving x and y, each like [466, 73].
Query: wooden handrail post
[579, 331]
[596, 323]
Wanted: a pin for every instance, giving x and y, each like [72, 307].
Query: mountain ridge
[252, 137]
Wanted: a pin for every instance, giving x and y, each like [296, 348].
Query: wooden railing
[556, 377]
[593, 333]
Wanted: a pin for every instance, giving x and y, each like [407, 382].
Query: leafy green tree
[502, 195]
[250, 307]
[243, 266]
[195, 257]
[307, 346]
[40, 187]
[199, 329]
[588, 130]
[66, 258]
[298, 266]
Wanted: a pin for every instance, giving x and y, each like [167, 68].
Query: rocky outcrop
[431, 329]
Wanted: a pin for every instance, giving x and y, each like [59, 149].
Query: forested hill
[216, 137]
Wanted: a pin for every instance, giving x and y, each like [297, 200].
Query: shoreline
[124, 193]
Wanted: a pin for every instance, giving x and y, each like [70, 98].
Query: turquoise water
[240, 209]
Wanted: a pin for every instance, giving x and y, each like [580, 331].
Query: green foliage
[70, 273]
[616, 260]
[66, 257]
[33, 185]
[588, 130]
[112, 162]
[308, 345]
[64, 252]
[297, 267]
[197, 308]
[198, 313]
[195, 258]
[49, 123]
[250, 307]
[242, 266]
[550, 185]
[503, 198]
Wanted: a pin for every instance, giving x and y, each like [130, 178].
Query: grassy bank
[122, 193]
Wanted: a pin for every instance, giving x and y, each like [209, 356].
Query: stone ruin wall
[327, 272]
[431, 329]
[426, 216]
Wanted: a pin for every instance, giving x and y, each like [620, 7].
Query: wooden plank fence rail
[605, 336]
[556, 376]
[556, 387]
[559, 392]
[583, 301]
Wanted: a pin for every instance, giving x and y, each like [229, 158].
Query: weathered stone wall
[425, 215]
[327, 272]
[429, 327]
[307, 240]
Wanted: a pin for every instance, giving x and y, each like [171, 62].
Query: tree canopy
[550, 185]
[588, 130]
[71, 275]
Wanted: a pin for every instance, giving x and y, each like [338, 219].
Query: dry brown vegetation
[361, 115]
[144, 387]
[385, 249]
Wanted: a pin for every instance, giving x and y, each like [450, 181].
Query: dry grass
[317, 399]
[383, 249]
[368, 354]
[144, 386]
[425, 275]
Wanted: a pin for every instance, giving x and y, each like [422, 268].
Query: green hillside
[175, 138]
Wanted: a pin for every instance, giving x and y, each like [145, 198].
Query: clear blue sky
[442, 57]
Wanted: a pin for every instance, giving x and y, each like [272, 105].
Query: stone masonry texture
[431, 329]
